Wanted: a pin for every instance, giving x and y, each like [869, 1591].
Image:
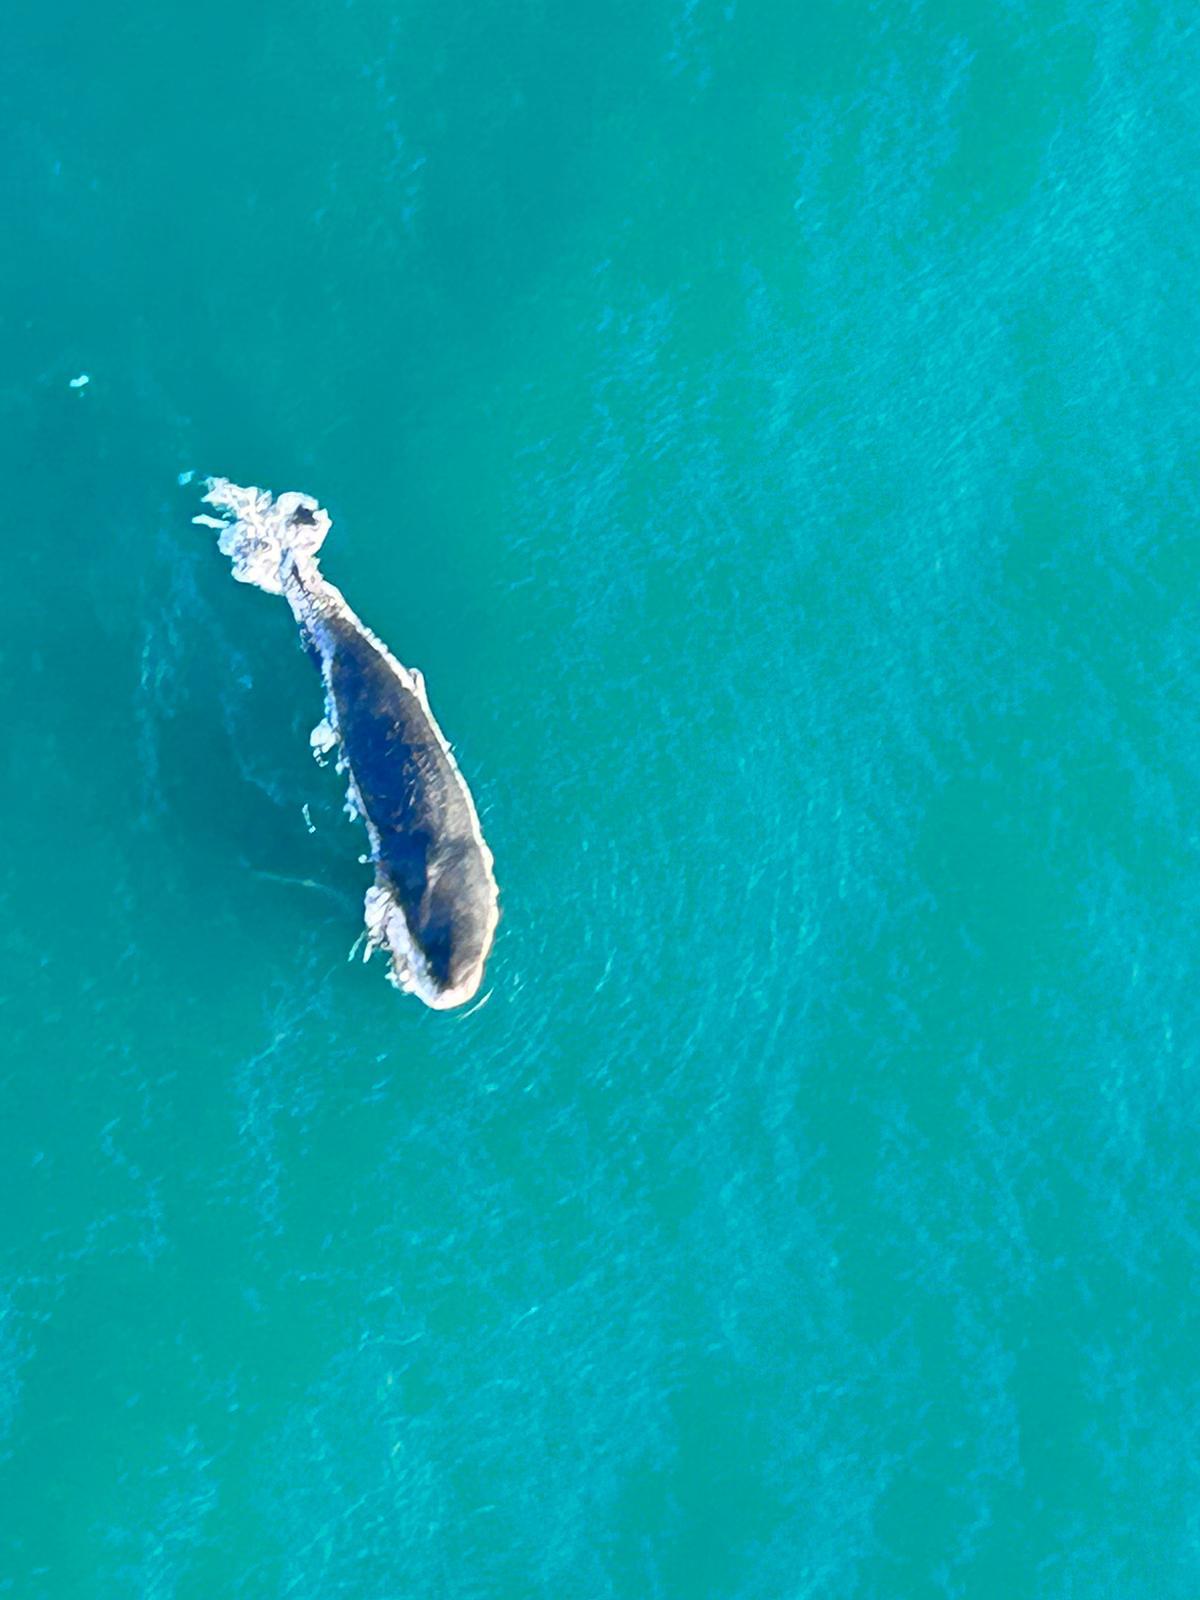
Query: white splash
[323, 739]
[259, 534]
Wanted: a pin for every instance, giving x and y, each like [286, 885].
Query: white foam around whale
[261, 539]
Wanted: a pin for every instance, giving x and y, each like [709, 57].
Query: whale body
[434, 905]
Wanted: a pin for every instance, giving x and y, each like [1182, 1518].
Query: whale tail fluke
[263, 536]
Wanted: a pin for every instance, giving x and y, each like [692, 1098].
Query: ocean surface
[773, 432]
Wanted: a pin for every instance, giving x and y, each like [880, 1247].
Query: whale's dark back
[415, 800]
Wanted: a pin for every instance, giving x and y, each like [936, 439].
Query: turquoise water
[772, 431]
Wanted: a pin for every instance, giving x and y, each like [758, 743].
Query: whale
[433, 906]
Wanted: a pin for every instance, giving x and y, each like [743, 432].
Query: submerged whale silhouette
[433, 906]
